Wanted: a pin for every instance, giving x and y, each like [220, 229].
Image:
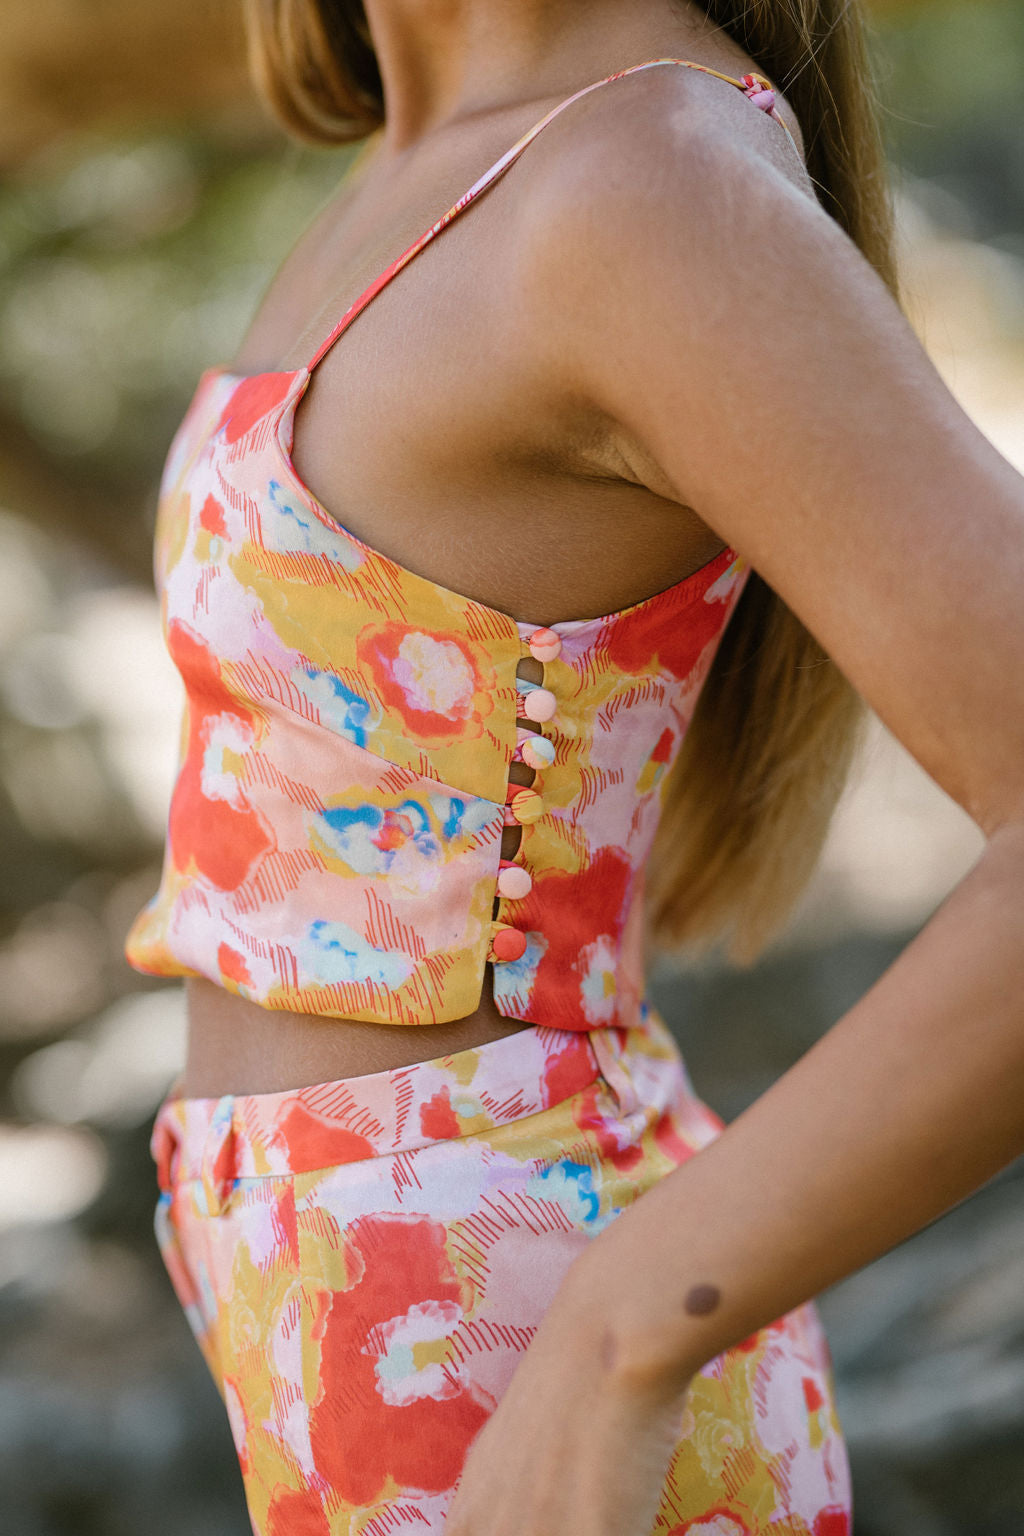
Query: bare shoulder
[670, 181]
[654, 138]
[684, 281]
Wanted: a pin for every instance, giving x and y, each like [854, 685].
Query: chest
[436, 430]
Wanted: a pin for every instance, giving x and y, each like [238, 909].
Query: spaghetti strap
[756, 87]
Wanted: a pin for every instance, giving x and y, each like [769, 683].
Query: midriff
[236, 1046]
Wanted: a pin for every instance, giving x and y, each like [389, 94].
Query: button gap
[530, 669]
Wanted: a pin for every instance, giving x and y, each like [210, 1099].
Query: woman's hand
[573, 1448]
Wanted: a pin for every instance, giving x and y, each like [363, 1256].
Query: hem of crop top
[286, 412]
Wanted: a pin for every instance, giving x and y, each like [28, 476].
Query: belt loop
[163, 1148]
[609, 1044]
[217, 1173]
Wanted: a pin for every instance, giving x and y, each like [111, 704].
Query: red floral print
[297, 1513]
[439, 683]
[307, 1137]
[358, 1438]
[437, 1117]
[675, 636]
[248, 403]
[220, 839]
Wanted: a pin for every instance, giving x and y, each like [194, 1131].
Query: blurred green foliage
[129, 264]
[126, 267]
[949, 78]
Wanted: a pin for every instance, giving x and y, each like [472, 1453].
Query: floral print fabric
[364, 1262]
[334, 836]
[334, 839]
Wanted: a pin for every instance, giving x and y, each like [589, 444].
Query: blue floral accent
[352, 833]
[333, 952]
[342, 710]
[572, 1185]
[453, 825]
[300, 531]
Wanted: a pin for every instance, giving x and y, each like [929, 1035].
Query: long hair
[749, 800]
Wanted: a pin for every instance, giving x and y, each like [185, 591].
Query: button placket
[524, 804]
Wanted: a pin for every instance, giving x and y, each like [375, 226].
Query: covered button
[537, 751]
[539, 704]
[508, 944]
[526, 806]
[544, 645]
[514, 881]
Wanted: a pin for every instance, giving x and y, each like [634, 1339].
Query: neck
[445, 60]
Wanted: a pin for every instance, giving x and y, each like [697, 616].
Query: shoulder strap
[756, 87]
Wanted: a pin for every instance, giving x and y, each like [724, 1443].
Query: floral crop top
[334, 834]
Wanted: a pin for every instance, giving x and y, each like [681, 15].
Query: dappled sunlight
[966, 299]
[51, 971]
[898, 844]
[129, 267]
[123, 676]
[47, 1173]
[25, 591]
[92, 701]
[111, 1073]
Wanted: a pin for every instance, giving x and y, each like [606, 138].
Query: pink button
[544, 645]
[508, 944]
[514, 882]
[539, 704]
[537, 752]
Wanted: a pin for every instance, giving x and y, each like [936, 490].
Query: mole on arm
[701, 1299]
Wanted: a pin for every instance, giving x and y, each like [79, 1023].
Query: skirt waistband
[403, 1108]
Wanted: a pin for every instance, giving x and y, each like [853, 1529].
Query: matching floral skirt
[363, 1262]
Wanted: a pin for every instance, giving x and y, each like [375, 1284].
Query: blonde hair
[750, 797]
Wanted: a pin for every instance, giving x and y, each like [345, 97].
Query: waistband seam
[210, 1153]
[198, 1175]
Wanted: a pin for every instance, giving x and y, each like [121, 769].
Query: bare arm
[759, 365]
[756, 369]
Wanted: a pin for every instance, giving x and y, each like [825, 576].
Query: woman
[642, 424]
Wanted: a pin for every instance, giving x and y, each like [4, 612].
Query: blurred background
[144, 204]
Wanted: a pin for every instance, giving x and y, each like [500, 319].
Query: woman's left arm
[780, 391]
